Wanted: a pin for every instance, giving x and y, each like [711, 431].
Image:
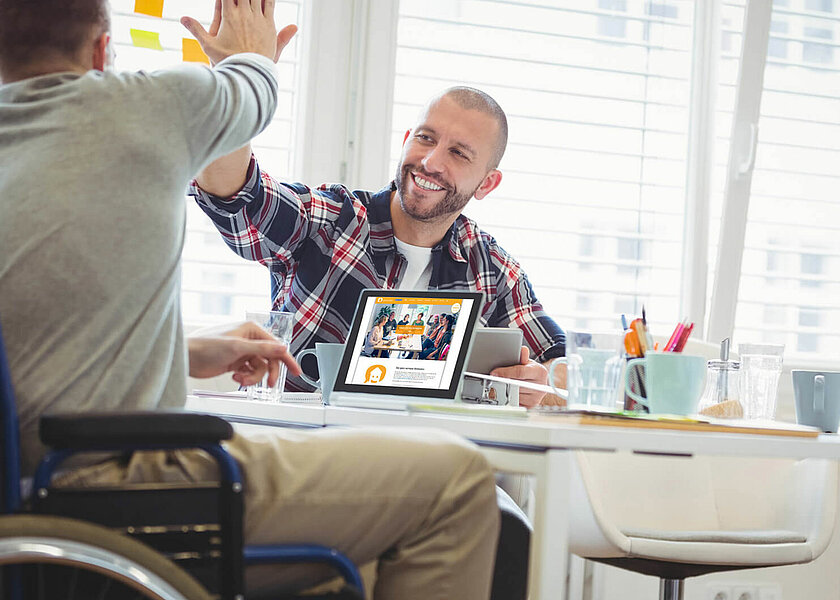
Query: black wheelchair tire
[36, 531]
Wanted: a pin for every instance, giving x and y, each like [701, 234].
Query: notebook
[418, 363]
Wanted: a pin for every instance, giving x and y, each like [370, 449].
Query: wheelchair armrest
[92, 429]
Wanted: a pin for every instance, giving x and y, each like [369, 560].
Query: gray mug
[817, 395]
[329, 358]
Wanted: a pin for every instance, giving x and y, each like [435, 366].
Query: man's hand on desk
[248, 351]
[526, 370]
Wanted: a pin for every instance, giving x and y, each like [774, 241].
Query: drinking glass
[278, 324]
[593, 368]
[761, 365]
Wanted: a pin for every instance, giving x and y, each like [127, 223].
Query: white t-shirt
[418, 274]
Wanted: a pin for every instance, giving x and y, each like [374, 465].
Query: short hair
[473, 99]
[31, 30]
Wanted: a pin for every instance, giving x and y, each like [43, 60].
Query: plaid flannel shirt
[324, 246]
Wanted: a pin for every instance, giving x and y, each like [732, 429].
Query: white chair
[678, 517]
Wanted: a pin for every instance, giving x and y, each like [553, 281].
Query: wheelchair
[160, 541]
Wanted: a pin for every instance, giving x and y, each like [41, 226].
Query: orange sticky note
[153, 8]
[192, 52]
[146, 39]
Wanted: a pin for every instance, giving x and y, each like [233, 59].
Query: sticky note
[146, 39]
[152, 8]
[192, 51]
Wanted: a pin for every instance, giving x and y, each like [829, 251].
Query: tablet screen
[416, 341]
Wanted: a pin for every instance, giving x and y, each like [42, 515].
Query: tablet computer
[424, 360]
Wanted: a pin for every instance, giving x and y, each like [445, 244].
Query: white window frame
[742, 150]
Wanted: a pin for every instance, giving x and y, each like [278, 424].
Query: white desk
[541, 448]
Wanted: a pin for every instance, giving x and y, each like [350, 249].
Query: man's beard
[452, 203]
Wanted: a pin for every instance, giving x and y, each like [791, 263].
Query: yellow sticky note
[146, 39]
[192, 52]
[152, 8]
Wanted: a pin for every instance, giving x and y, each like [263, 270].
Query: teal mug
[673, 382]
[817, 396]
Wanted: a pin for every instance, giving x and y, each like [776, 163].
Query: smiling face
[446, 160]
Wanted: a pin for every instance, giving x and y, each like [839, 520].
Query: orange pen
[631, 344]
[638, 327]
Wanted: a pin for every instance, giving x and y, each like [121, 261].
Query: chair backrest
[622, 492]
[10, 442]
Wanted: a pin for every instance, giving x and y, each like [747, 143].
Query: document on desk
[471, 410]
[603, 418]
[288, 397]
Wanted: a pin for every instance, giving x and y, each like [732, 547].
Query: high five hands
[241, 26]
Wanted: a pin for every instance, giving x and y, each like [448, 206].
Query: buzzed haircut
[473, 99]
[31, 30]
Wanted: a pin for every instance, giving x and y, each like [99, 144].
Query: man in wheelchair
[93, 169]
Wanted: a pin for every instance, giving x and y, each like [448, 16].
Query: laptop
[408, 368]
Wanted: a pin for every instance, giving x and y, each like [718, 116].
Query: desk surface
[538, 446]
[526, 434]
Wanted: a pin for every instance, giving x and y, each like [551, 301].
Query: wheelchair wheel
[44, 557]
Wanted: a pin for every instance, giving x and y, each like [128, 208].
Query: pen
[631, 344]
[684, 338]
[672, 341]
[638, 327]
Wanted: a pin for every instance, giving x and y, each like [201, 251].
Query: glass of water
[593, 368]
[761, 365]
[278, 324]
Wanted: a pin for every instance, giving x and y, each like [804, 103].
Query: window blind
[217, 286]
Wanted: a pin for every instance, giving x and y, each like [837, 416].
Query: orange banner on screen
[410, 329]
[408, 300]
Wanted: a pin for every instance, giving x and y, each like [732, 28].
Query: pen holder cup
[635, 381]
[673, 382]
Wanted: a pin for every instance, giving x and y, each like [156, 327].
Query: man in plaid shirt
[324, 246]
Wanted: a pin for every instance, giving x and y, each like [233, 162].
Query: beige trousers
[420, 501]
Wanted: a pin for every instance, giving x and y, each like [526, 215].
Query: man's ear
[405, 137]
[100, 51]
[490, 183]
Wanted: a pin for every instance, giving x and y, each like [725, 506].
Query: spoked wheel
[47, 558]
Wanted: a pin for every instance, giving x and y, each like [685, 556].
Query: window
[777, 47]
[598, 134]
[815, 52]
[792, 237]
[664, 10]
[617, 137]
[217, 286]
[809, 317]
[819, 5]
[612, 26]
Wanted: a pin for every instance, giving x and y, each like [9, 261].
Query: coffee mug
[673, 382]
[329, 358]
[817, 396]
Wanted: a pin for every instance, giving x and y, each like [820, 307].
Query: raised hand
[241, 26]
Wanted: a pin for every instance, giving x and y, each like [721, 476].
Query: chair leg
[671, 589]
